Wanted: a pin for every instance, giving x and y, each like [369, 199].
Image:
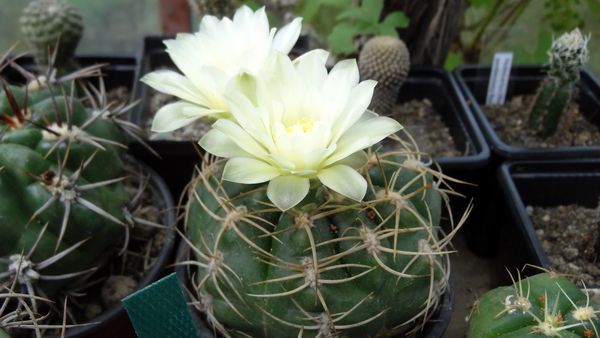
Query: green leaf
[372, 10]
[252, 4]
[453, 60]
[309, 8]
[482, 3]
[396, 20]
[386, 30]
[337, 3]
[544, 43]
[350, 13]
[594, 6]
[341, 38]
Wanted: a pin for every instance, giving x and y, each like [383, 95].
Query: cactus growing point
[546, 304]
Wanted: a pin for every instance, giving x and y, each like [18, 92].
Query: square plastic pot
[473, 81]
[539, 183]
[120, 70]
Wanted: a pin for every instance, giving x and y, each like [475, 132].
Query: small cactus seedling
[50, 25]
[567, 55]
[546, 304]
[386, 60]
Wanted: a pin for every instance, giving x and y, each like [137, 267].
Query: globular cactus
[546, 305]
[59, 187]
[567, 55]
[52, 26]
[330, 267]
[64, 205]
[386, 60]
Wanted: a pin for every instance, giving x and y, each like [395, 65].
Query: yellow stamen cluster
[305, 124]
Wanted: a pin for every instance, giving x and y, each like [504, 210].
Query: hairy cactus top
[567, 55]
[386, 60]
[44, 22]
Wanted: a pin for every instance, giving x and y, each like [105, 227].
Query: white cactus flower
[210, 58]
[294, 123]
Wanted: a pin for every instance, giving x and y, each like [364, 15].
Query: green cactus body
[327, 267]
[546, 305]
[24, 155]
[567, 55]
[43, 23]
[385, 59]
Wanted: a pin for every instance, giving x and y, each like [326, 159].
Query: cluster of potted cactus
[298, 219]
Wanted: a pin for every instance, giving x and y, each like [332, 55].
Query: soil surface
[424, 124]
[510, 123]
[569, 236]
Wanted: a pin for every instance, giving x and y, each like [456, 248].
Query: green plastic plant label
[160, 311]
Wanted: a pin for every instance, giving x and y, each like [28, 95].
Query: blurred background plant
[440, 32]
[525, 27]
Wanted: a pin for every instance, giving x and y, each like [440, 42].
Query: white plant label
[496, 93]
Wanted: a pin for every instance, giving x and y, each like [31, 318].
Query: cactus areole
[330, 266]
[545, 305]
[57, 189]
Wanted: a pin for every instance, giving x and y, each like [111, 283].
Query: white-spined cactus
[567, 55]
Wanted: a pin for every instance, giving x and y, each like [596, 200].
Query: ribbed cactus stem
[46, 22]
[567, 55]
[386, 60]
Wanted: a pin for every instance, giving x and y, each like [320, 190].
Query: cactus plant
[385, 59]
[328, 267]
[52, 26]
[546, 304]
[64, 207]
[567, 54]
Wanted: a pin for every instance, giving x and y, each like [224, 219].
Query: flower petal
[172, 83]
[286, 37]
[248, 171]
[172, 116]
[218, 143]
[355, 161]
[376, 128]
[287, 191]
[344, 180]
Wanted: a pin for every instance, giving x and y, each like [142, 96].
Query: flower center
[303, 125]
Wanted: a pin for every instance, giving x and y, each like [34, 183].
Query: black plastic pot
[438, 86]
[545, 184]
[120, 70]
[473, 81]
[434, 328]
